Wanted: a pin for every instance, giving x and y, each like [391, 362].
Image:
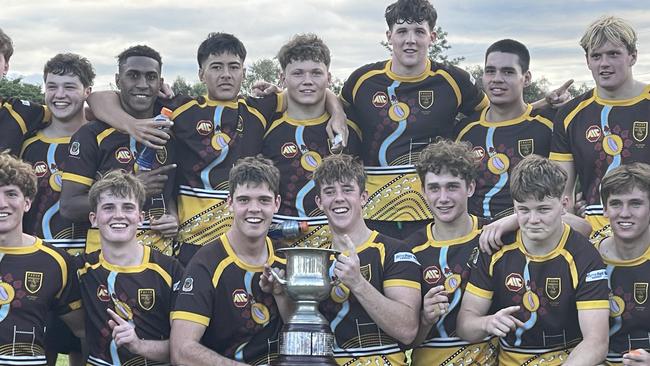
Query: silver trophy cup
[306, 338]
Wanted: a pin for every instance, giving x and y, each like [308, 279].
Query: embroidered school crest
[240, 125]
[33, 281]
[425, 98]
[146, 298]
[366, 272]
[640, 292]
[640, 130]
[525, 147]
[553, 287]
[161, 155]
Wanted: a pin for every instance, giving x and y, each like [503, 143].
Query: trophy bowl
[306, 338]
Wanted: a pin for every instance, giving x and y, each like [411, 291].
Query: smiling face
[306, 82]
[447, 195]
[139, 82]
[503, 79]
[629, 214]
[223, 75]
[611, 66]
[252, 208]
[342, 203]
[117, 218]
[540, 220]
[65, 96]
[13, 205]
[410, 43]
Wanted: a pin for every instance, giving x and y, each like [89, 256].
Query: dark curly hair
[411, 11]
[70, 63]
[445, 155]
[19, 173]
[304, 47]
[537, 177]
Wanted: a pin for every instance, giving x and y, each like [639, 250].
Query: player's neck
[407, 71]
[299, 111]
[16, 239]
[628, 90]
[505, 112]
[443, 231]
[137, 114]
[624, 250]
[123, 254]
[358, 233]
[60, 128]
[250, 250]
[545, 246]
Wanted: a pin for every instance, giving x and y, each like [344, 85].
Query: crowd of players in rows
[187, 239]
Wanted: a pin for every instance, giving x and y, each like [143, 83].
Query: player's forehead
[533, 202]
[631, 193]
[498, 59]
[608, 46]
[111, 198]
[142, 64]
[342, 183]
[9, 188]
[225, 57]
[406, 24]
[68, 78]
[306, 65]
[253, 189]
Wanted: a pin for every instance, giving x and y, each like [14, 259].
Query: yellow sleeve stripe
[257, 114]
[593, 304]
[184, 107]
[466, 129]
[569, 118]
[545, 121]
[62, 264]
[27, 143]
[479, 291]
[363, 78]
[219, 271]
[484, 103]
[104, 134]
[76, 305]
[78, 179]
[279, 108]
[17, 117]
[571, 263]
[454, 86]
[194, 318]
[402, 283]
[561, 157]
[161, 272]
[356, 128]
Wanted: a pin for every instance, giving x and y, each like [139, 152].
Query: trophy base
[299, 342]
[285, 360]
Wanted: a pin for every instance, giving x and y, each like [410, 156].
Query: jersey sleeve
[472, 97]
[347, 91]
[592, 290]
[268, 106]
[354, 139]
[32, 116]
[69, 298]
[401, 268]
[82, 161]
[480, 280]
[560, 142]
[176, 271]
[196, 291]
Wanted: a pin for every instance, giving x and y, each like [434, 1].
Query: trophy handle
[277, 278]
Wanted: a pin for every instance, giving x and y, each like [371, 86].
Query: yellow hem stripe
[78, 179]
[593, 304]
[402, 283]
[479, 291]
[194, 318]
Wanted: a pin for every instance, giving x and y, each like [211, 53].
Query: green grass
[62, 360]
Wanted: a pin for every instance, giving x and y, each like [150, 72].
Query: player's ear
[92, 218]
[277, 202]
[5, 70]
[28, 204]
[634, 56]
[318, 202]
[471, 186]
[117, 79]
[388, 35]
[528, 76]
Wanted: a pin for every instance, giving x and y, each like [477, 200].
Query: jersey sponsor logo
[161, 155]
[74, 148]
[239, 298]
[514, 282]
[640, 130]
[431, 275]
[366, 272]
[425, 98]
[102, 293]
[597, 275]
[25, 102]
[146, 298]
[640, 292]
[204, 127]
[289, 150]
[380, 99]
[405, 257]
[188, 284]
[123, 155]
[33, 281]
[593, 133]
[479, 153]
[176, 286]
[40, 168]
[525, 147]
[553, 287]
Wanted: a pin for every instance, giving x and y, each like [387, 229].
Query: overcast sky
[352, 29]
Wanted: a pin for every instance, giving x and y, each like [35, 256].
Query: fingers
[163, 169]
[435, 291]
[352, 249]
[116, 318]
[565, 86]
[509, 310]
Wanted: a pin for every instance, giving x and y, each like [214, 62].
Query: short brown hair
[6, 45]
[454, 157]
[410, 11]
[120, 184]
[537, 177]
[340, 168]
[304, 47]
[254, 170]
[70, 63]
[19, 173]
[609, 28]
[624, 179]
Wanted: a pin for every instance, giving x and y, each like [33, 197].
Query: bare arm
[74, 201]
[577, 223]
[337, 125]
[474, 325]
[75, 321]
[395, 312]
[186, 348]
[570, 170]
[106, 106]
[594, 325]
